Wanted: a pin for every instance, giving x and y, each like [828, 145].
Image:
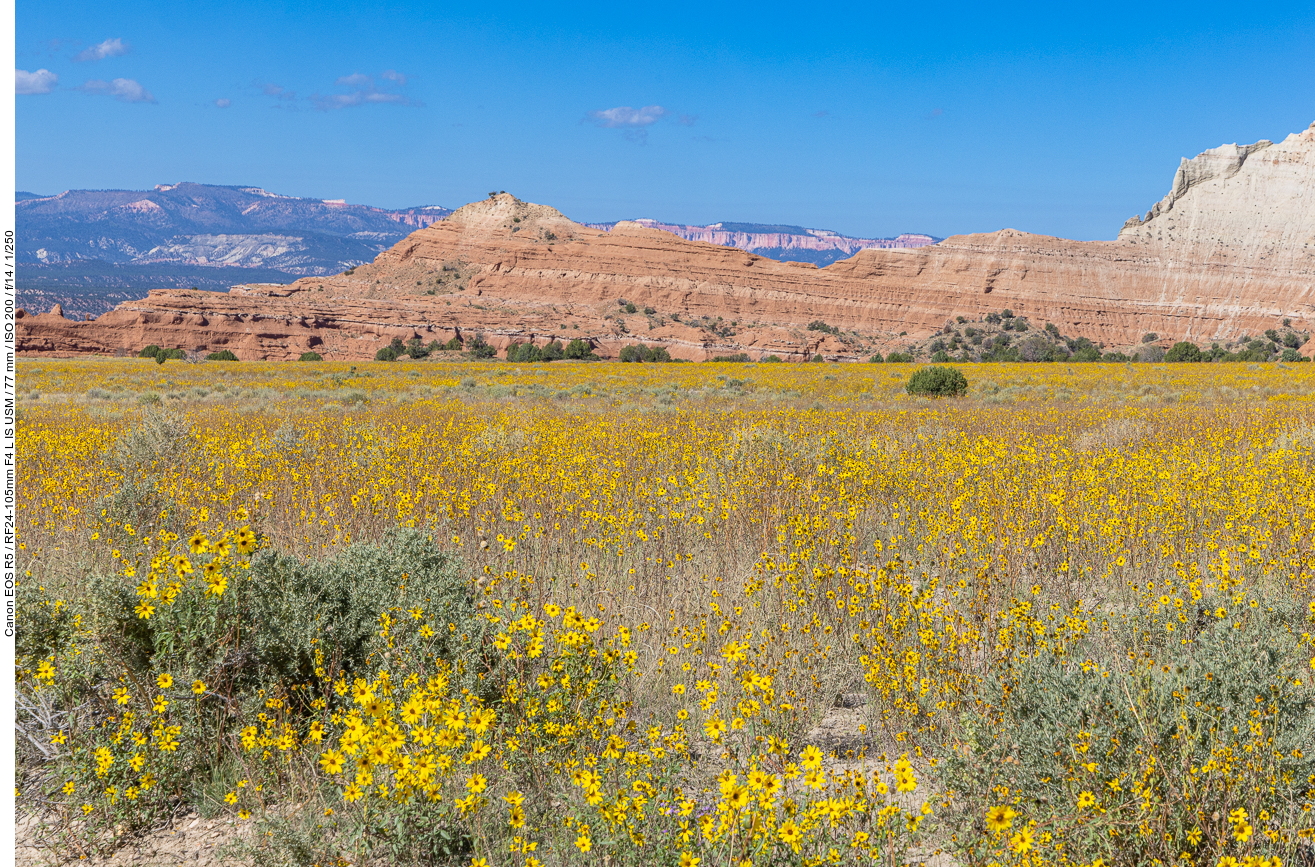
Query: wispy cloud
[223, 103]
[284, 98]
[687, 119]
[108, 48]
[275, 90]
[356, 79]
[41, 81]
[362, 89]
[625, 116]
[122, 89]
[56, 46]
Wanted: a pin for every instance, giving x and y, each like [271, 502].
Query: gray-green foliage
[1221, 720]
[341, 602]
[156, 442]
[282, 627]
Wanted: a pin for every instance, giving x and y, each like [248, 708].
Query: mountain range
[88, 246]
[1225, 254]
[87, 250]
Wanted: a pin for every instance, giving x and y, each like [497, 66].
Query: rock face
[1227, 252]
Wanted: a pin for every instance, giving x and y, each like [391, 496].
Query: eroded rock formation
[1228, 251]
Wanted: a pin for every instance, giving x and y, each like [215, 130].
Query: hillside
[1231, 257]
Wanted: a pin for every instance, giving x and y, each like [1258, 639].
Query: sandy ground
[192, 842]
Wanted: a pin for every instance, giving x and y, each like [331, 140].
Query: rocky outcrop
[1228, 252]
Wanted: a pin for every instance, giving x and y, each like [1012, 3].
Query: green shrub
[819, 325]
[1002, 354]
[736, 358]
[1165, 750]
[284, 628]
[876, 359]
[294, 602]
[937, 382]
[630, 308]
[161, 355]
[639, 352]
[310, 356]
[552, 351]
[221, 355]
[940, 357]
[479, 348]
[1183, 351]
[579, 350]
[899, 358]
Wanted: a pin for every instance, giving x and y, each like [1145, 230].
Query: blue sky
[870, 119]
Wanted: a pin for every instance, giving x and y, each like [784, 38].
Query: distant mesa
[821, 247]
[1225, 253]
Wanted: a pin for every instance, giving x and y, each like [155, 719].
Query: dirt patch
[190, 842]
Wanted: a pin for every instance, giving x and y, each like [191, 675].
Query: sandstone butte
[1227, 252]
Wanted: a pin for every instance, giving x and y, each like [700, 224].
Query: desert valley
[326, 547]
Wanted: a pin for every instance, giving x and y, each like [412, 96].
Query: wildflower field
[598, 614]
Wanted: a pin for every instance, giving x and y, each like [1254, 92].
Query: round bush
[1183, 351]
[221, 355]
[937, 382]
[311, 356]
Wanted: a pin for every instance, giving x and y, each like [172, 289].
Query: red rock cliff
[1228, 251]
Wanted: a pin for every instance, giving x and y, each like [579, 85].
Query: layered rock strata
[1227, 252]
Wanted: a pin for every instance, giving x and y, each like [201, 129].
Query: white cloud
[108, 48]
[359, 97]
[625, 116]
[122, 89]
[223, 103]
[364, 91]
[41, 81]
